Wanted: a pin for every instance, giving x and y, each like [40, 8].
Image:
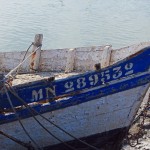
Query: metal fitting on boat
[97, 66]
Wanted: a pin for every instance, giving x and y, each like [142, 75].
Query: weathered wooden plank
[121, 53]
[106, 56]
[35, 58]
[70, 61]
[55, 59]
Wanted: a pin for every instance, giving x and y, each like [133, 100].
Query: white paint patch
[119, 54]
[70, 61]
[106, 56]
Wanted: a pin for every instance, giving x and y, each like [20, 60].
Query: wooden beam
[70, 61]
[35, 57]
[106, 56]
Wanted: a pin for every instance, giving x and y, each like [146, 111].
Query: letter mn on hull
[39, 94]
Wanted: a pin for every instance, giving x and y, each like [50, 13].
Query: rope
[10, 102]
[42, 125]
[24, 57]
[32, 110]
[6, 76]
[26, 145]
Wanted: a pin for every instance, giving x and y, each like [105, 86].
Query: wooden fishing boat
[82, 98]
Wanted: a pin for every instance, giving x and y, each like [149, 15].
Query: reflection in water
[73, 23]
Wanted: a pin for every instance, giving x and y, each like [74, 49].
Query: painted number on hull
[128, 68]
[105, 76]
[69, 86]
[93, 79]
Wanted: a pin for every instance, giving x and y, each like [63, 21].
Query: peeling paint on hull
[87, 105]
[97, 116]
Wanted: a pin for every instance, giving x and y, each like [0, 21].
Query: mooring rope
[26, 145]
[6, 76]
[10, 102]
[67, 145]
[32, 111]
[24, 57]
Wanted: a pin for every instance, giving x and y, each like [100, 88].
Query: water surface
[73, 23]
